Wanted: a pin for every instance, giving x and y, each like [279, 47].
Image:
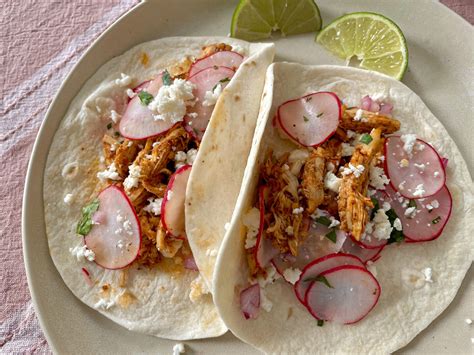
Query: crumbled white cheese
[252, 221]
[358, 115]
[111, 173]
[272, 276]
[192, 115]
[386, 206]
[81, 252]
[401, 186]
[131, 181]
[211, 97]
[371, 267]
[409, 141]
[381, 225]
[431, 206]
[178, 349]
[332, 182]
[298, 210]
[182, 158]
[170, 102]
[347, 150]
[125, 80]
[154, 206]
[468, 321]
[419, 190]
[428, 274]
[436, 174]
[292, 275]
[356, 170]
[334, 222]
[420, 166]
[410, 212]
[114, 116]
[238, 49]
[397, 224]
[130, 93]
[198, 288]
[265, 303]
[378, 179]
[104, 304]
[404, 163]
[127, 225]
[191, 156]
[68, 199]
[211, 252]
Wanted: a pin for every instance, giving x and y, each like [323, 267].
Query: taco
[117, 171]
[351, 232]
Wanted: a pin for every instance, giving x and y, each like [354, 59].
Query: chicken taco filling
[136, 218]
[325, 210]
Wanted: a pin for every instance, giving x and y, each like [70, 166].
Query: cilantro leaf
[324, 221]
[376, 207]
[145, 97]
[319, 114]
[109, 125]
[85, 224]
[396, 236]
[332, 236]
[166, 78]
[366, 138]
[320, 322]
[306, 119]
[321, 278]
[412, 203]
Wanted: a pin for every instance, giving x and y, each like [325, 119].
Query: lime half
[256, 19]
[374, 39]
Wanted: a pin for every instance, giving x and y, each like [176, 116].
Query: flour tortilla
[162, 306]
[405, 307]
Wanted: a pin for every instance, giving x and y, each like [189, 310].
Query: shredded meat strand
[369, 121]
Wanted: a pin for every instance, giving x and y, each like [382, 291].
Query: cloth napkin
[39, 44]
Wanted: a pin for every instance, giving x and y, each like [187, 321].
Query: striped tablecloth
[39, 44]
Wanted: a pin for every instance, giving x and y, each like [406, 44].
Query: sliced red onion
[445, 162]
[250, 301]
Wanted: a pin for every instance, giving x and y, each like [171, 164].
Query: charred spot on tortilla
[236, 97]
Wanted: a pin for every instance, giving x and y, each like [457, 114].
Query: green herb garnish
[319, 114]
[166, 78]
[309, 98]
[321, 278]
[332, 236]
[396, 236]
[85, 224]
[117, 134]
[324, 221]
[109, 126]
[412, 203]
[436, 220]
[366, 138]
[145, 97]
[306, 119]
[376, 207]
[320, 322]
[222, 81]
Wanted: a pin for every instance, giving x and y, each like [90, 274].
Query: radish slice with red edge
[206, 80]
[320, 265]
[422, 176]
[428, 220]
[227, 59]
[264, 250]
[311, 119]
[363, 254]
[141, 86]
[250, 301]
[137, 121]
[172, 207]
[116, 240]
[352, 293]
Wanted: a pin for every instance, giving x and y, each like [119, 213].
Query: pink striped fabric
[39, 44]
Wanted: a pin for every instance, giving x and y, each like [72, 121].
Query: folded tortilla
[407, 304]
[155, 301]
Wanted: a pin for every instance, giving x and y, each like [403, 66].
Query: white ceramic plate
[440, 71]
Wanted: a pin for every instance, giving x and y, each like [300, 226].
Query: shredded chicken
[166, 244]
[148, 255]
[109, 147]
[213, 48]
[353, 201]
[124, 156]
[313, 179]
[368, 121]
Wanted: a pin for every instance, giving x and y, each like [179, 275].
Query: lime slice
[374, 39]
[256, 19]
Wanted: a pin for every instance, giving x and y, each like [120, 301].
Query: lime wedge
[257, 19]
[374, 39]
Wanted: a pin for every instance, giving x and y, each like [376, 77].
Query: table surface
[39, 44]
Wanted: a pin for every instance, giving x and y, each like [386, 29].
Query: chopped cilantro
[376, 207]
[167, 79]
[412, 203]
[324, 221]
[85, 224]
[396, 236]
[319, 114]
[366, 138]
[320, 322]
[145, 97]
[117, 134]
[309, 98]
[222, 81]
[109, 126]
[306, 119]
[436, 220]
[332, 236]
[321, 278]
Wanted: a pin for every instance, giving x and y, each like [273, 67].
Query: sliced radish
[205, 80]
[116, 240]
[418, 175]
[264, 250]
[190, 263]
[311, 119]
[320, 265]
[362, 253]
[354, 292]
[227, 59]
[141, 86]
[137, 121]
[428, 220]
[250, 301]
[172, 207]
